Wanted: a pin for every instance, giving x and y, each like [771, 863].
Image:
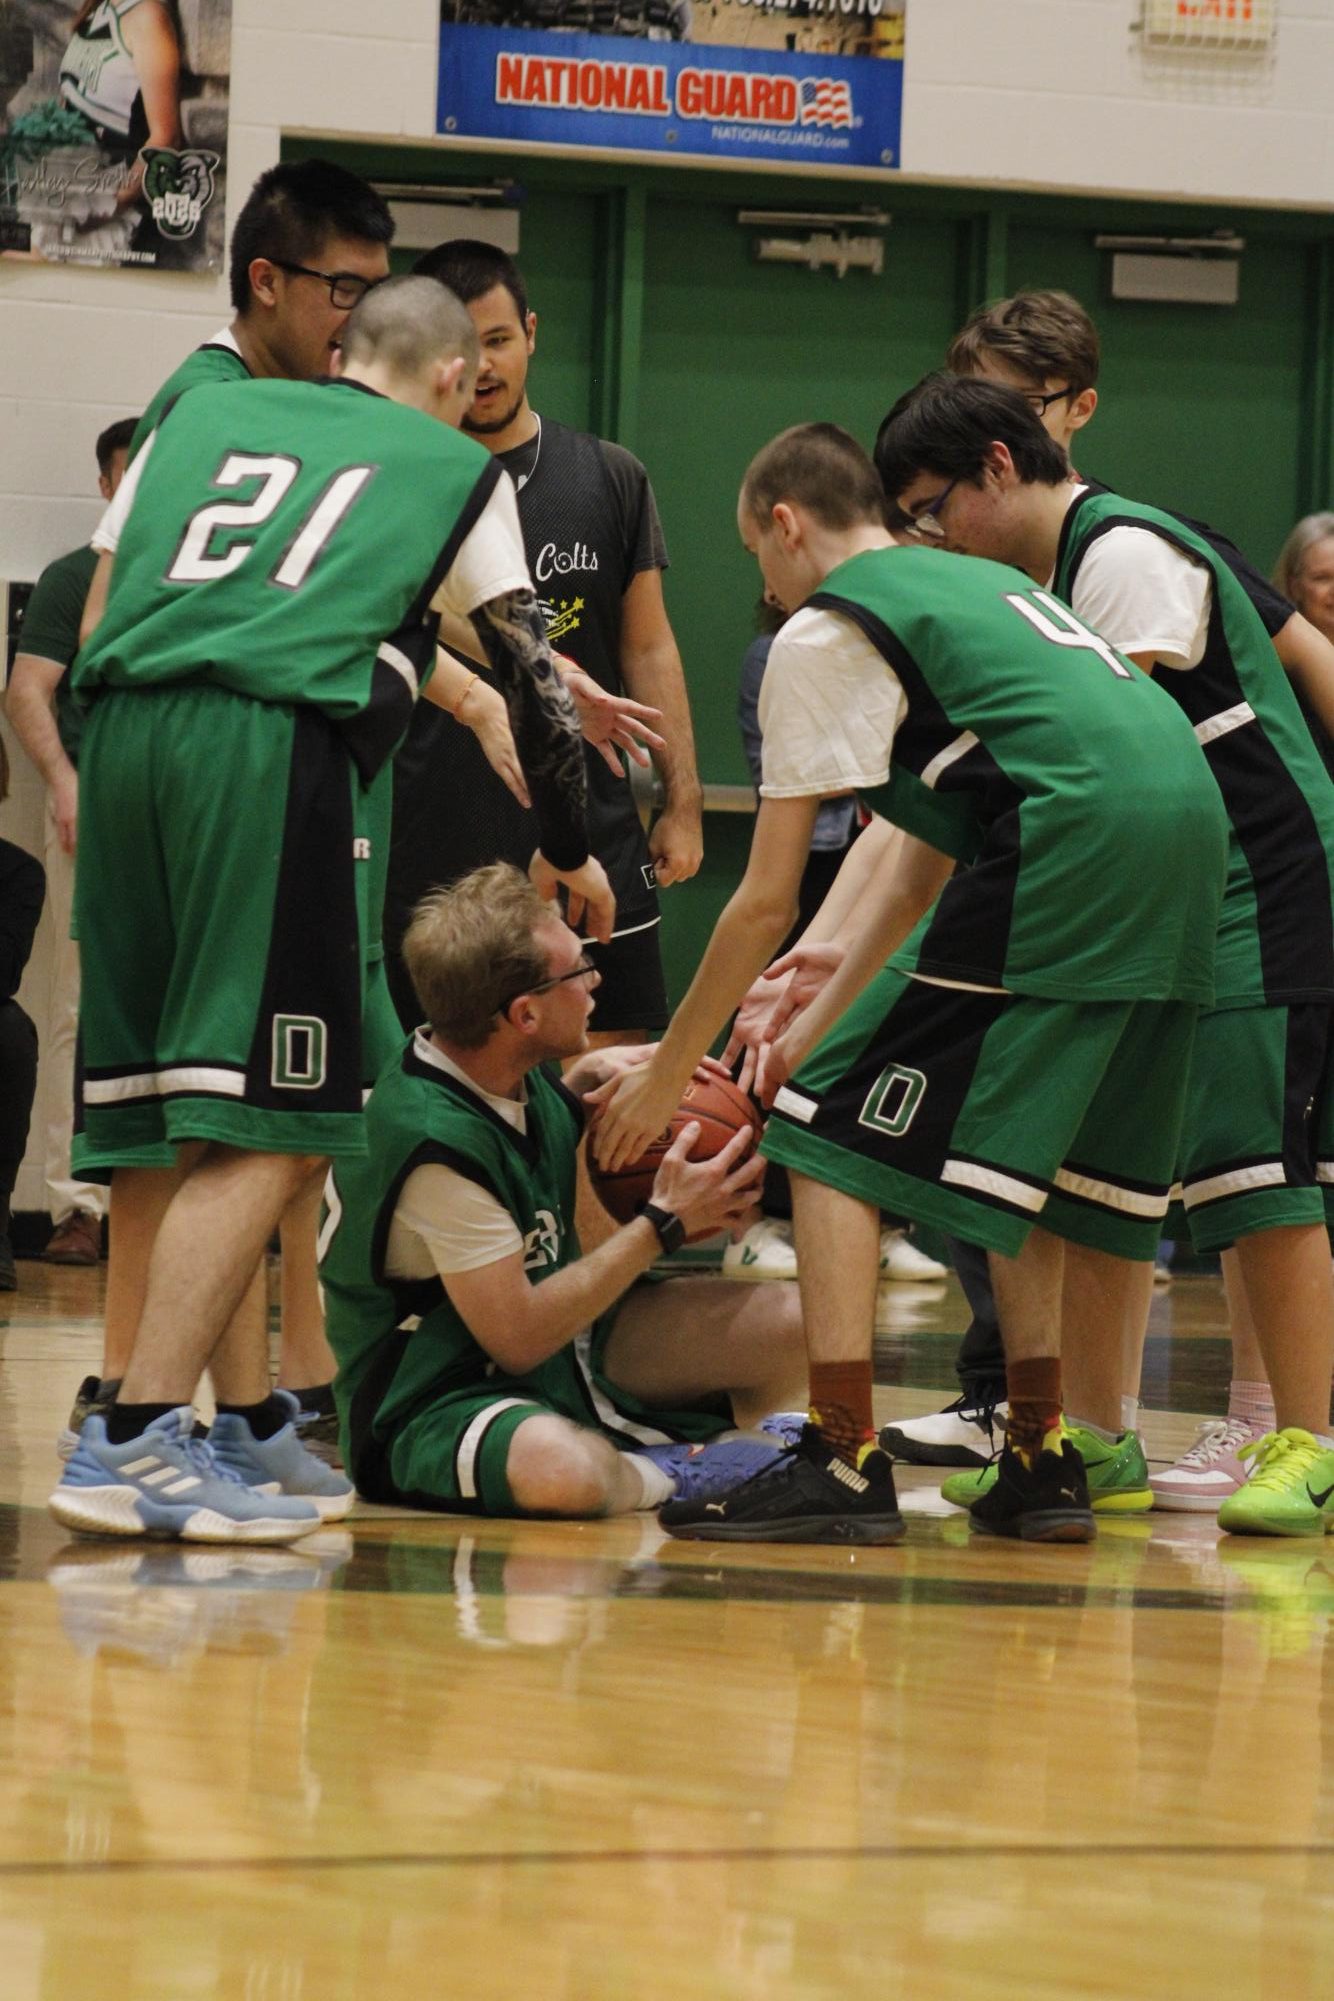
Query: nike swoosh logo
[1319, 1500]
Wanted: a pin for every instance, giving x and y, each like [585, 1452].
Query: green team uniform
[425, 1416]
[1258, 1139]
[265, 636]
[217, 360]
[51, 632]
[1024, 1056]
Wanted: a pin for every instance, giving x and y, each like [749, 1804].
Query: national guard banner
[809, 82]
[113, 131]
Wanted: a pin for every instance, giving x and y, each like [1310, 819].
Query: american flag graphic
[825, 102]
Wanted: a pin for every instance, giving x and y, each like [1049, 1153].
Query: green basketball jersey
[1276, 932]
[402, 1345]
[215, 361]
[285, 542]
[1072, 785]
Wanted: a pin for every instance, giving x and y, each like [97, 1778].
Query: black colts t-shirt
[590, 526]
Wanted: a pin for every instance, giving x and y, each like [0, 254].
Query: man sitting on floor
[484, 1366]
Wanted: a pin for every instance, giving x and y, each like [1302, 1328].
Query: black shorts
[633, 992]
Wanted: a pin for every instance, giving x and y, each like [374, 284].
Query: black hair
[947, 425]
[115, 438]
[472, 268]
[293, 208]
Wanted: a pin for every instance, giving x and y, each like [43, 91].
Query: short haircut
[947, 425]
[1302, 538]
[115, 438]
[823, 469]
[406, 324]
[293, 208]
[472, 948]
[1040, 335]
[472, 268]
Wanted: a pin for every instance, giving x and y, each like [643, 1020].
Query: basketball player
[1260, 1113]
[485, 1366]
[596, 553]
[981, 1080]
[283, 549]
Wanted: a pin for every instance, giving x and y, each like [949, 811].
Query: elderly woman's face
[1315, 585]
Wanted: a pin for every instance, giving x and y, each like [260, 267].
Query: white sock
[1130, 1413]
[655, 1485]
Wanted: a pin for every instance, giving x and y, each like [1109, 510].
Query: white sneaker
[764, 1252]
[901, 1263]
[963, 1434]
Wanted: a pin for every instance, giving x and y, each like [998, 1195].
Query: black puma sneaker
[807, 1494]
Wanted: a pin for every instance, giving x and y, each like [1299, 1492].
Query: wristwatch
[671, 1230]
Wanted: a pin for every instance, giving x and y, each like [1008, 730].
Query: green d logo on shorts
[299, 1052]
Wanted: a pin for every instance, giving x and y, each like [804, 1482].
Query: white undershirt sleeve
[107, 534]
[830, 704]
[1145, 596]
[491, 561]
[445, 1223]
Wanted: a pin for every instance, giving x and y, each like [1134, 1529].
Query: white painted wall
[1052, 93]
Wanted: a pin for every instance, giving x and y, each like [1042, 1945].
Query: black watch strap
[671, 1230]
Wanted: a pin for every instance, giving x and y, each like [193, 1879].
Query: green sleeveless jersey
[285, 542]
[1071, 784]
[215, 361]
[1276, 932]
[401, 1345]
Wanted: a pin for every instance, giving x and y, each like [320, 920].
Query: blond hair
[1302, 538]
[471, 949]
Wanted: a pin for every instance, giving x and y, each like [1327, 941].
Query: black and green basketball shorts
[1257, 1148]
[985, 1113]
[221, 946]
[453, 1455]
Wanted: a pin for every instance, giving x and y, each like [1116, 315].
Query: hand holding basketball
[714, 1126]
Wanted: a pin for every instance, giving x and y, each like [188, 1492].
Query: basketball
[712, 1102]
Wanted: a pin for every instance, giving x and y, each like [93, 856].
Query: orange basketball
[712, 1102]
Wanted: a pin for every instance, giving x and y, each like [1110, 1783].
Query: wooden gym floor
[563, 1762]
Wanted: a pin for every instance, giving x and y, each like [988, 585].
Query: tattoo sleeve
[543, 719]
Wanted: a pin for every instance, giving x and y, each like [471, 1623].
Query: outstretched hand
[611, 723]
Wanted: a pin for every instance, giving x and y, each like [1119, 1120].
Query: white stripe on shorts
[943, 759]
[1324, 1171]
[1240, 1181]
[990, 1181]
[465, 1458]
[200, 1077]
[119, 1090]
[796, 1107]
[1225, 721]
[609, 1417]
[1130, 1201]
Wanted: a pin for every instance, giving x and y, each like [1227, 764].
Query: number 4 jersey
[288, 540]
[980, 715]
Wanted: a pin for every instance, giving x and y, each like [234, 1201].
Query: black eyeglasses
[926, 521]
[1040, 404]
[346, 288]
[582, 971]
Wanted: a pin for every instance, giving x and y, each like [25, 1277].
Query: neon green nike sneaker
[1118, 1474]
[1290, 1491]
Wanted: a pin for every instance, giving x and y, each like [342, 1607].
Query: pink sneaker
[1210, 1470]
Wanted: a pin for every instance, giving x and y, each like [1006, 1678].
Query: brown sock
[841, 1406]
[1034, 1394]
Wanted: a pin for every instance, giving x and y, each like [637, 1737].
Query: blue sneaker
[281, 1464]
[784, 1425]
[700, 1471]
[167, 1483]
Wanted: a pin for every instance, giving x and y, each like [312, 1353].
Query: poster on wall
[113, 131]
[813, 83]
